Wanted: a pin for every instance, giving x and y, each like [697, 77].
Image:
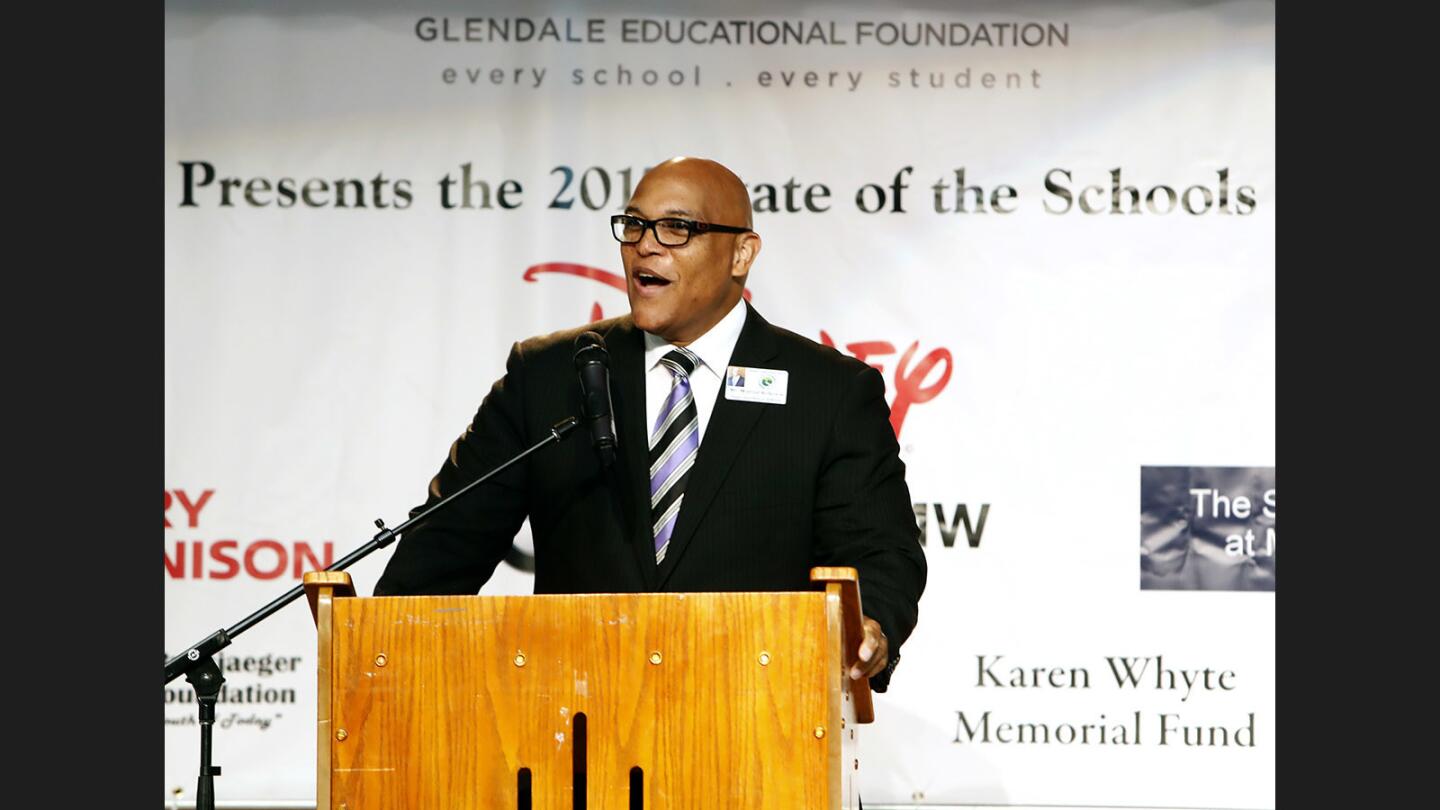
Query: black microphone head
[592, 363]
[590, 348]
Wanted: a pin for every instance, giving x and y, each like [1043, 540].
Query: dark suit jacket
[775, 489]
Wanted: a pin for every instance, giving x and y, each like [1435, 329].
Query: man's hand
[874, 652]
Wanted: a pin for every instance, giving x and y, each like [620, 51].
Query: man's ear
[747, 247]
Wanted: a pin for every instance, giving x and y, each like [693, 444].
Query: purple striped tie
[673, 445]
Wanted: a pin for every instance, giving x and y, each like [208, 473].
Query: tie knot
[681, 362]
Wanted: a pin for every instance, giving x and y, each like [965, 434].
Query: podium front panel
[690, 701]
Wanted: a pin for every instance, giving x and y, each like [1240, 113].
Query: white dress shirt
[713, 348]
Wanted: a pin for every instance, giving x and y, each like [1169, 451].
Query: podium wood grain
[431, 709]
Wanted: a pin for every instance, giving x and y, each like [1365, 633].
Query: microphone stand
[199, 667]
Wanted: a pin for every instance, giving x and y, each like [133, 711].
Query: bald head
[724, 195]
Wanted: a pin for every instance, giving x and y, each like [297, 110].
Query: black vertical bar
[637, 788]
[522, 789]
[577, 752]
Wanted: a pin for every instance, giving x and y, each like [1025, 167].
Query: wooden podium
[659, 701]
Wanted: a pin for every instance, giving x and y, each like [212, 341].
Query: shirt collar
[713, 348]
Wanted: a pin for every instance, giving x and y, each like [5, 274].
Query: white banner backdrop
[365, 207]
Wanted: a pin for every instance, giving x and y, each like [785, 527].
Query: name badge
[750, 384]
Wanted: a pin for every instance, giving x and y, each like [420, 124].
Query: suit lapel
[626, 345]
[730, 423]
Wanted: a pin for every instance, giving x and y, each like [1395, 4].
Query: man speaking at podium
[720, 481]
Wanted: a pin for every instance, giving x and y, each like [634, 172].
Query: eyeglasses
[669, 231]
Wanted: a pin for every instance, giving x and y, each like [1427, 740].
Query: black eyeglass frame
[691, 227]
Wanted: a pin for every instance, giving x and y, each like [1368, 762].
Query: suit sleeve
[864, 518]
[456, 550]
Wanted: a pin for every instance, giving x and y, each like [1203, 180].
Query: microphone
[592, 363]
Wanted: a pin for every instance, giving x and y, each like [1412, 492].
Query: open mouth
[647, 279]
